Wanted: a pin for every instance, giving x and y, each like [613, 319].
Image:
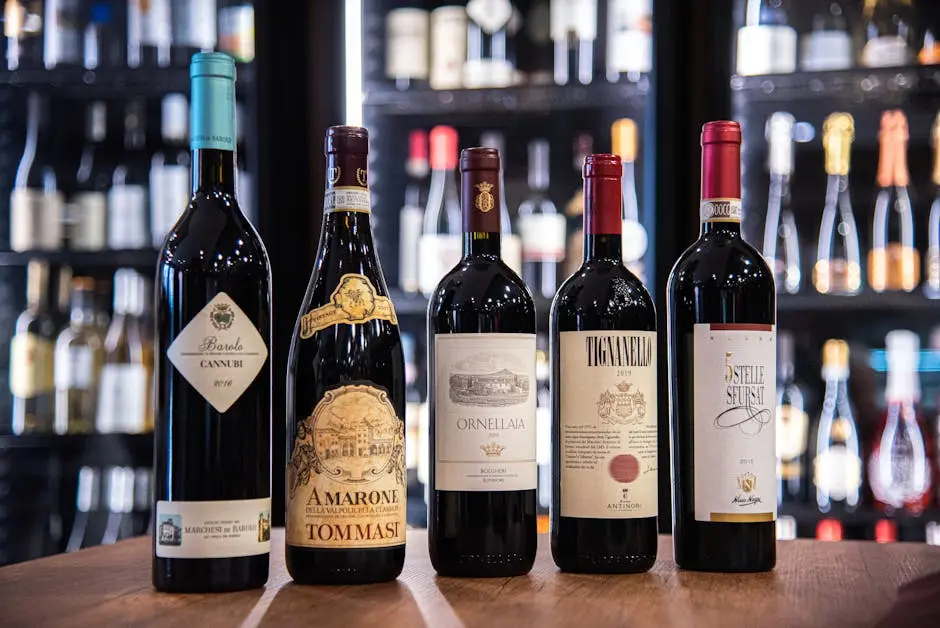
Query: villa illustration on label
[488, 379]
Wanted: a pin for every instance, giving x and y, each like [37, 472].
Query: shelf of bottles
[94, 170]
[839, 103]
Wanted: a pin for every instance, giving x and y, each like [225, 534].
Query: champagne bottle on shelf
[900, 469]
[541, 225]
[149, 33]
[837, 466]
[888, 33]
[448, 47]
[439, 245]
[482, 397]
[792, 426]
[894, 261]
[88, 227]
[346, 395]
[127, 198]
[574, 29]
[406, 47]
[574, 209]
[635, 239]
[511, 244]
[36, 205]
[491, 45]
[87, 504]
[932, 266]
[32, 351]
[170, 181]
[828, 46]
[629, 39]
[722, 363]
[838, 268]
[23, 29]
[79, 356]
[604, 406]
[212, 441]
[767, 42]
[781, 241]
[411, 216]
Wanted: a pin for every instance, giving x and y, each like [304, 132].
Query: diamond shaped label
[219, 352]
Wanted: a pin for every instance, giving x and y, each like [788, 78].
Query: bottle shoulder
[484, 284]
[720, 262]
[603, 295]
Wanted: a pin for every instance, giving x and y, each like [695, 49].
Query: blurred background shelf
[139, 259]
[78, 442]
[113, 82]
[869, 303]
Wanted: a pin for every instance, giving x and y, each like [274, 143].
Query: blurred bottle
[635, 239]
[23, 29]
[792, 426]
[411, 216]
[767, 42]
[888, 33]
[781, 241]
[62, 306]
[837, 468]
[104, 41]
[143, 306]
[32, 351]
[574, 209]
[36, 205]
[120, 502]
[87, 505]
[541, 226]
[79, 356]
[237, 30]
[828, 46]
[629, 39]
[838, 268]
[574, 29]
[886, 531]
[412, 407]
[930, 53]
[88, 216]
[932, 267]
[829, 530]
[170, 184]
[406, 47]
[127, 198]
[893, 262]
[511, 243]
[193, 28]
[492, 26]
[900, 469]
[543, 431]
[537, 55]
[439, 246]
[62, 43]
[448, 47]
[149, 33]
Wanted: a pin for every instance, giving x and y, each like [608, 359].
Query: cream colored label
[35, 219]
[216, 529]
[608, 424]
[348, 198]
[31, 365]
[353, 301]
[220, 352]
[346, 476]
[734, 451]
[484, 414]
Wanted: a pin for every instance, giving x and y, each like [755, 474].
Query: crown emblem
[747, 482]
[484, 201]
[492, 450]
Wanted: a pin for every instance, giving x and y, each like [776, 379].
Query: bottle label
[216, 529]
[347, 198]
[220, 352]
[826, 50]
[62, 42]
[448, 47]
[195, 23]
[734, 450]
[491, 15]
[608, 424]
[630, 40]
[354, 301]
[89, 221]
[720, 210]
[346, 476]
[31, 366]
[543, 237]
[766, 49]
[485, 420]
[837, 472]
[407, 48]
[127, 217]
[74, 368]
[155, 24]
[35, 219]
[886, 52]
[438, 253]
[577, 17]
[122, 399]
[792, 428]
[212, 114]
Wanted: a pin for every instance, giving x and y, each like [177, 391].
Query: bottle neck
[603, 224]
[480, 202]
[214, 169]
[346, 202]
[83, 308]
[720, 209]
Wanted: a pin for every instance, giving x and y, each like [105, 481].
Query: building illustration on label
[171, 531]
[353, 301]
[484, 202]
[625, 405]
[488, 380]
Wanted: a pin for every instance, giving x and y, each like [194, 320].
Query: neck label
[720, 210]
[354, 301]
[213, 113]
[347, 199]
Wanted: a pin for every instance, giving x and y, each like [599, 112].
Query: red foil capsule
[602, 195]
[721, 160]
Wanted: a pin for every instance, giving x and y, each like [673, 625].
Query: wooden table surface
[815, 584]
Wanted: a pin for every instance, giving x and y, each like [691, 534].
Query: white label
[485, 419]
[511, 252]
[155, 25]
[766, 50]
[74, 368]
[406, 55]
[720, 210]
[630, 40]
[122, 398]
[35, 220]
[837, 472]
[578, 17]
[491, 15]
[735, 374]
[89, 221]
[347, 199]
[220, 352]
[127, 217]
[62, 42]
[448, 47]
[438, 254]
[409, 234]
[608, 424]
[543, 237]
[194, 23]
[886, 52]
[220, 529]
[826, 50]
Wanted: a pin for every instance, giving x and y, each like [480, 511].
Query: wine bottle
[537, 53]
[574, 208]
[406, 47]
[32, 350]
[511, 243]
[894, 261]
[23, 29]
[635, 238]
[930, 53]
[62, 39]
[491, 45]
[792, 426]
[604, 409]
[541, 225]
[36, 205]
[482, 397]
[439, 246]
[212, 444]
[900, 469]
[888, 33]
[411, 216]
[828, 46]
[837, 466]
[448, 47]
[104, 41]
[629, 39]
[781, 242]
[346, 476]
[193, 28]
[88, 228]
[574, 29]
[127, 198]
[932, 266]
[767, 42]
[149, 33]
[170, 169]
[722, 363]
[838, 268]
[79, 356]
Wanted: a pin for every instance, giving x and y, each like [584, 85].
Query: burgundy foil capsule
[479, 189]
[602, 195]
[721, 160]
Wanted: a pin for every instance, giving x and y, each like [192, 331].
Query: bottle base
[339, 567]
[495, 566]
[216, 575]
[605, 564]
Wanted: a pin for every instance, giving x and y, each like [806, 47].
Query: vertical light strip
[353, 38]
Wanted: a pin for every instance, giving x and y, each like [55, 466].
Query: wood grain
[815, 584]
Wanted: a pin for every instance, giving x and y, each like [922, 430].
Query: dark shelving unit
[867, 303]
[108, 259]
[806, 513]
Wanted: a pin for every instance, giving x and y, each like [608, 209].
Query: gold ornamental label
[346, 476]
[353, 301]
